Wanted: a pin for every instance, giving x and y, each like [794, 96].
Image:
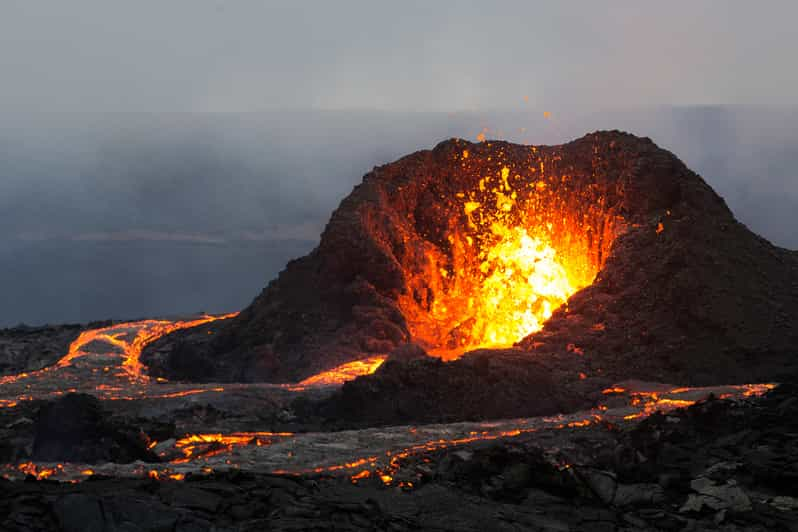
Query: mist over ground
[137, 215]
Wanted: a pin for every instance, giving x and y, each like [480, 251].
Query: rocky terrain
[718, 465]
[25, 348]
[140, 454]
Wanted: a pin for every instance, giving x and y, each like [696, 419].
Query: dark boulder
[75, 428]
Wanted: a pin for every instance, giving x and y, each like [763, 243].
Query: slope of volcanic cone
[703, 301]
[666, 284]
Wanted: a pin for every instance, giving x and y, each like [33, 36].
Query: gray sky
[248, 55]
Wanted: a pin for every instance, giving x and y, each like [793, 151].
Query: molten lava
[341, 374]
[207, 445]
[516, 252]
[524, 282]
[149, 331]
[361, 456]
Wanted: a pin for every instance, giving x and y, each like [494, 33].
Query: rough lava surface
[684, 293]
[25, 348]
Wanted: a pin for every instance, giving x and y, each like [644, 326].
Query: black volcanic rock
[684, 293]
[485, 385]
[726, 465]
[25, 348]
[75, 428]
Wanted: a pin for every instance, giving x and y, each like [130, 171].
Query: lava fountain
[513, 255]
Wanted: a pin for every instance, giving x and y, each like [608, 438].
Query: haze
[168, 157]
[253, 55]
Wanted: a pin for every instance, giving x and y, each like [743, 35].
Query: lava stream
[147, 332]
[644, 400]
[373, 453]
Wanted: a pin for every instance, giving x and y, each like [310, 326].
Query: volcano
[542, 270]
[488, 337]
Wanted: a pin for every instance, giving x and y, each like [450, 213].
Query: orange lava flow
[652, 402]
[148, 332]
[341, 374]
[386, 465]
[207, 445]
[39, 472]
[128, 339]
[649, 403]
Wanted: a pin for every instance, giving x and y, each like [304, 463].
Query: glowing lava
[379, 455]
[148, 331]
[515, 251]
[524, 282]
[206, 445]
[341, 374]
[105, 362]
